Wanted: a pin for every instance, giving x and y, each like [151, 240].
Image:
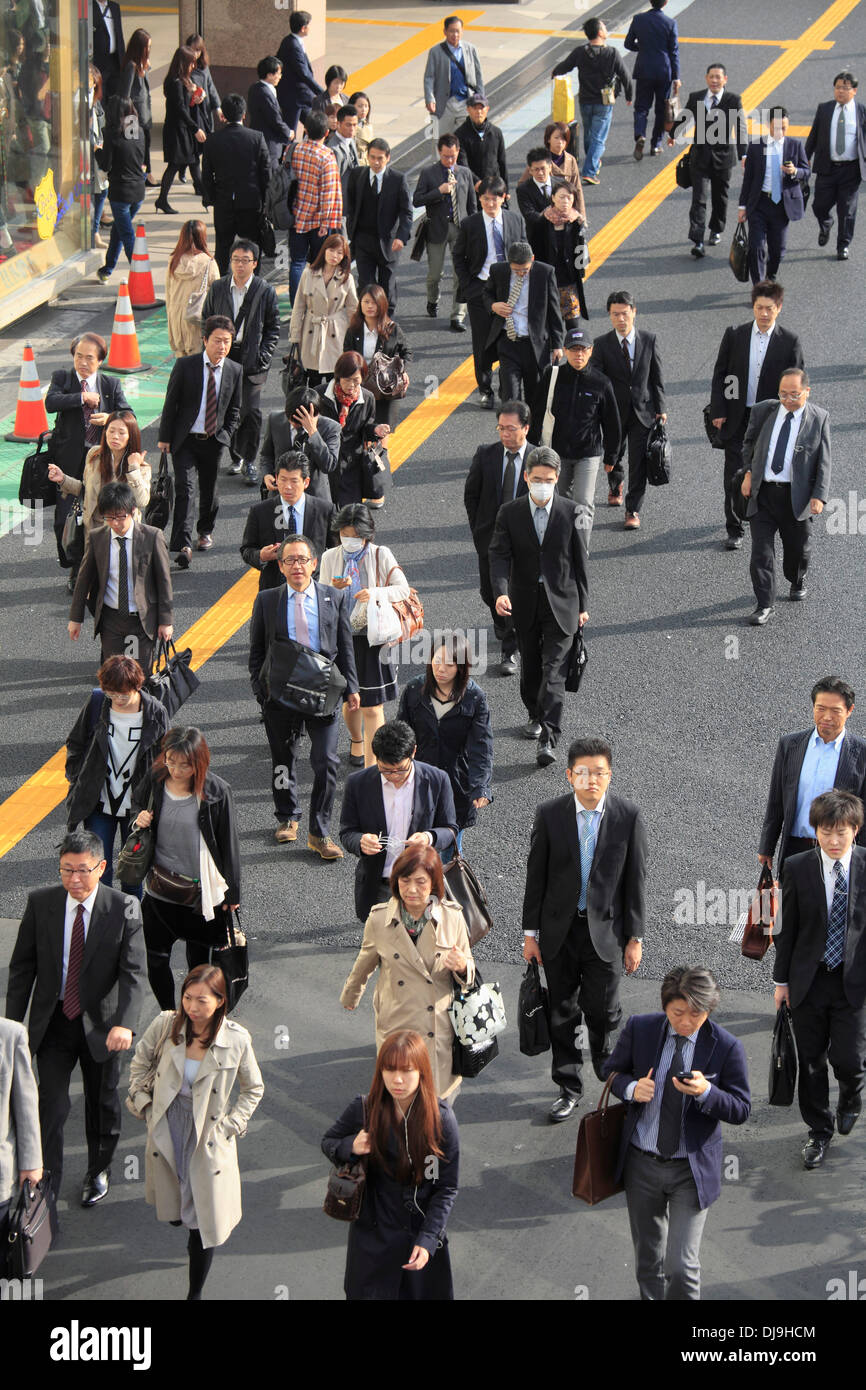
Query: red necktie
[210, 409]
[71, 1001]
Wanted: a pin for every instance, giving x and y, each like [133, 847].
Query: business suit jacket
[800, 932]
[20, 1139]
[470, 249]
[785, 784]
[517, 561]
[436, 204]
[183, 398]
[437, 74]
[107, 63]
[652, 35]
[64, 397]
[818, 139]
[483, 156]
[793, 202]
[322, 449]
[641, 390]
[615, 892]
[394, 213]
[235, 169]
[732, 365]
[261, 323]
[482, 493]
[718, 1053]
[346, 156]
[297, 88]
[335, 634]
[720, 137]
[265, 116]
[544, 316]
[113, 975]
[151, 578]
[264, 526]
[810, 467]
[364, 813]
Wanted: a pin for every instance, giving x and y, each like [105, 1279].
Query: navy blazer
[335, 634]
[461, 742]
[364, 813]
[393, 212]
[297, 87]
[653, 37]
[800, 930]
[785, 784]
[717, 1053]
[792, 184]
[265, 116]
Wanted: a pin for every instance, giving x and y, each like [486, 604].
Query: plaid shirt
[319, 202]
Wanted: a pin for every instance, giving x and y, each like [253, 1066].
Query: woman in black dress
[398, 1249]
[206, 112]
[562, 245]
[180, 133]
[359, 475]
[371, 330]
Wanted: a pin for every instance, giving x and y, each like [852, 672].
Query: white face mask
[351, 544]
[541, 493]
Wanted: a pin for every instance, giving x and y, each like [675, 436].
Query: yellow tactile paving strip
[395, 58]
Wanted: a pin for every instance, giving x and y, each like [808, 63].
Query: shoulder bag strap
[548, 423]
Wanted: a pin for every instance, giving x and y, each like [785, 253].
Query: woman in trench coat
[421, 946]
[191, 1164]
[326, 299]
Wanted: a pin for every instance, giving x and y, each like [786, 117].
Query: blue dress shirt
[311, 611]
[646, 1131]
[817, 775]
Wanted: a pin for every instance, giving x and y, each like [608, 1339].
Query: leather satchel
[598, 1144]
[136, 853]
[738, 257]
[758, 930]
[463, 888]
[32, 1228]
[346, 1184]
[783, 1060]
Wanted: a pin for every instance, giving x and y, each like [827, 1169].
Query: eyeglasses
[389, 772]
[295, 563]
[116, 517]
[78, 873]
[243, 260]
[791, 395]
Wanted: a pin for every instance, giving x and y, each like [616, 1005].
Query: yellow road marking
[403, 53]
[554, 33]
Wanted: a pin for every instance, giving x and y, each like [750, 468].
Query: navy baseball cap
[577, 337]
[478, 99]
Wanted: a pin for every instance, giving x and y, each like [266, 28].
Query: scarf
[344, 402]
[415, 928]
[352, 571]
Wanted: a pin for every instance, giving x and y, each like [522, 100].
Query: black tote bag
[533, 1013]
[232, 957]
[782, 1086]
[172, 681]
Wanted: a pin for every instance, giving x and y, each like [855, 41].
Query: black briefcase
[576, 663]
[32, 1228]
[739, 253]
[172, 680]
[783, 1060]
[35, 485]
[713, 435]
[683, 170]
[232, 957]
[158, 510]
[299, 679]
[658, 456]
[419, 245]
[739, 503]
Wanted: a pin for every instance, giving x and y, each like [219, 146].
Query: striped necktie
[452, 184]
[513, 296]
[71, 1001]
[587, 850]
[834, 952]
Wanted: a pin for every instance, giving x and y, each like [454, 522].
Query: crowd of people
[329, 590]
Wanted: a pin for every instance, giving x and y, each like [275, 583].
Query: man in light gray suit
[786, 453]
[452, 74]
[20, 1145]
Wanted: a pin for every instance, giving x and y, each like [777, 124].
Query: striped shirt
[319, 202]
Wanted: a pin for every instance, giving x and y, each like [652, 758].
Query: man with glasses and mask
[786, 453]
[80, 954]
[398, 802]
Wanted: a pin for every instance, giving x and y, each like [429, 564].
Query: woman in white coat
[191, 1166]
[326, 299]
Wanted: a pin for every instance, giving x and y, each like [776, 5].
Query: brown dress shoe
[324, 846]
[184, 558]
[204, 543]
[286, 832]
[632, 521]
[614, 496]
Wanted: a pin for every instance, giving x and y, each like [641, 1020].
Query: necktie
[210, 409]
[302, 631]
[834, 953]
[775, 175]
[626, 354]
[545, 188]
[91, 432]
[781, 448]
[300, 440]
[540, 523]
[374, 184]
[513, 296]
[840, 133]
[508, 477]
[498, 243]
[71, 1001]
[452, 184]
[714, 103]
[671, 1113]
[122, 576]
[293, 522]
[587, 849]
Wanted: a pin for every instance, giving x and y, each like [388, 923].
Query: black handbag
[782, 1086]
[35, 485]
[713, 435]
[158, 510]
[683, 170]
[136, 854]
[299, 679]
[577, 660]
[267, 237]
[469, 1060]
[462, 886]
[72, 539]
[658, 455]
[32, 1228]
[293, 373]
[739, 254]
[384, 378]
[533, 1013]
[233, 959]
[172, 681]
[345, 1191]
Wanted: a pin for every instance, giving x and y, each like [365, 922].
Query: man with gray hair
[526, 329]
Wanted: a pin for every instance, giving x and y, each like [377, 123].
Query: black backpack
[35, 485]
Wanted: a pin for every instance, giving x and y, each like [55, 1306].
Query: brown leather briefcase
[598, 1143]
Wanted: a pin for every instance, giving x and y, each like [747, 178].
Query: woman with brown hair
[116, 458]
[133, 83]
[398, 1249]
[560, 241]
[191, 1172]
[359, 474]
[180, 132]
[325, 298]
[191, 272]
[195, 873]
[419, 943]
[563, 165]
[364, 134]
[371, 330]
[206, 110]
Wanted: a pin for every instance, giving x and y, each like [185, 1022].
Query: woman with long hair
[364, 134]
[206, 109]
[323, 303]
[122, 159]
[371, 330]
[117, 458]
[133, 83]
[191, 1172]
[557, 138]
[191, 272]
[195, 872]
[180, 132]
[398, 1248]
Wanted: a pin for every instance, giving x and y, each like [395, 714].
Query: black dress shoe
[457, 326]
[532, 730]
[546, 753]
[70, 584]
[485, 400]
[842, 253]
[95, 1188]
[563, 1107]
[734, 543]
[823, 237]
[798, 593]
[714, 238]
[847, 1114]
[183, 559]
[509, 664]
[813, 1153]
[761, 616]
[432, 310]
[698, 250]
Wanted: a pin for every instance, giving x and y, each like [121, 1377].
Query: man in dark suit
[482, 144]
[481, 242]
[199, 418]
[670, 1155]
[786, 453]
[584, 912]
[235, 172]
[298, 87]
[806, 765]
[342, 142]
[250, 302]
[378, 210]
[125, 581]
[263, 108]
[525, 330]
[749, 367]
[714, 120]
[496, 475]
[302, 428]
[653, 36]
[820, 967]
[535, 194]
[80, 954]
[538, 574]
[108, 42]
[447, 194]
[775, 171]
[317, 616]
[837, 145]
[292, 513]
[630, 358]
[386, 807]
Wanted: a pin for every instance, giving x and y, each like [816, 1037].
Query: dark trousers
[768, 236]
[634, 438]
[733, 464]
[106, 827]
[201, 456]
[646, 94]
[581, 987]
[64, 1045]
[502, 626]
[245, 444]
[774, 514]
[479, 323]
[544, 653]
[828, 1029]
[518, 368]
[840, 190]
[164, 924]
[375, 270]
[719, 181]
[284, 730]
[230, 222]
[122, 634]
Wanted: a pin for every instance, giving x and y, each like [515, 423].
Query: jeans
[106, 826]
[596, 124]
[97, 203]
[449, 853]
[122, 232]
[303, 247]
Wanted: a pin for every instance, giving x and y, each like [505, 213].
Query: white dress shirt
[198, 422]
[71, 908]
[542, 187]
[710, 97]
[785, 475]
[578, 807]
[371, 338]
[239, 294]
[109, 24]
[299, 513]
[89, 384]
[398, 817]
[376, 180]
[111, 590]
[489, 224]
[830, 876]
[850, 109]
[520, 312]
[758, 344]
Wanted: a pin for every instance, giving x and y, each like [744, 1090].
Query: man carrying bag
[300, 651]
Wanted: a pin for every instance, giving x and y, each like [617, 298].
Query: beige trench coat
[89, 486]
[214, 1172]
[413, 990]
[320, 317]
[184, 335]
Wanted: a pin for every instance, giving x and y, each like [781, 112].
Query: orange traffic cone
[30, 417]
[141, 294]
[123, 353]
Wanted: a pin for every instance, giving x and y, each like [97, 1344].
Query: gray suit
[20, 1145]
[437, 85]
